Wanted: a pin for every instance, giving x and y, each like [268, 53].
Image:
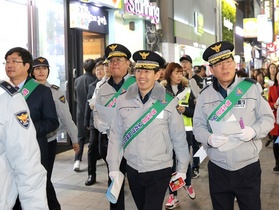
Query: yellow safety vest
[185, 102]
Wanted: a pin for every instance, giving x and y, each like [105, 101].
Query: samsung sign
[88, 17]
[143, 8]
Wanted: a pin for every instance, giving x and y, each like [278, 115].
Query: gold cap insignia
[41, 60]
[113, 47]
[144, 55]
[216, 48]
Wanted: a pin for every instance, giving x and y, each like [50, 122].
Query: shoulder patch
[8, 88]
[23, 119]
[55, 87]
[204, 88]
[250, 80]
[62, 99]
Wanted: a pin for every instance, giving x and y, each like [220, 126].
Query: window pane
[14, 26]
[50, 44]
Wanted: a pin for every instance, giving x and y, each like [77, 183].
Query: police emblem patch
[62, 99]
[23, 119]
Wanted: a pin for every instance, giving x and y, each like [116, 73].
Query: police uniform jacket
[103, 94]
[81, 90]
[254, 110]
[21, 169]
[44, 116]
[63, 112]
[152, 149]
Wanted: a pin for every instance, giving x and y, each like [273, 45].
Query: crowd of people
[146, 119]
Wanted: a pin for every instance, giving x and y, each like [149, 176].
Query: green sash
[227, 104]
[28, 88]
[111, 102]
[145, 120]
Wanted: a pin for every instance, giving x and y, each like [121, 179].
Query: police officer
[149, 153]
[118, 61]
[39, 99]
[233, 167]
[21, 169]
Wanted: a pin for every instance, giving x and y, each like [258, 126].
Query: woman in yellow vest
[176, 84]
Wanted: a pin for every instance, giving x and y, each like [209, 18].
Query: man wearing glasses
[18, 65]
[106, 96]
[236, 106]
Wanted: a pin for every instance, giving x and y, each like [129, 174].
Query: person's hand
[76, 147]
[179, 174]
[113, 174]
[246, 134]
[180, 109]
[102, 126]
[190, 73]
[216, 141]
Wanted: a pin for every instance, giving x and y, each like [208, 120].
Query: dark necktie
[16, 87]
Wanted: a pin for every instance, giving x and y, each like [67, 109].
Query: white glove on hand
[246, 134]
[113, 174]
[102, 126]
[179, 174]
[217, 141]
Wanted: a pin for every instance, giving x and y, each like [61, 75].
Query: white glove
[113, 174]
[179, 174]
[102, 126]
[246, 134]
[217, 141]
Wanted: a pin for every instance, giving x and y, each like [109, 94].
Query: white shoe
[77, 165]
[100, 162]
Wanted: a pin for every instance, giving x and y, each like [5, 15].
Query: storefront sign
[116, 4]
[143, 8]
[199, 23]
[250, 27]
[88, 17]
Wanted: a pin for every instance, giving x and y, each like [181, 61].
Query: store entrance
[93, 45]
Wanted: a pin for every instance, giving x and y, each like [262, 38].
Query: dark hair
[241, 73]
[268, 69]
[24, 54]
[89, 65]
[276, 81]
[203, 67]
[99, 61]
[170, 68]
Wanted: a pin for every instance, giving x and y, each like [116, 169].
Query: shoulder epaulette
[204, 88]
[250, 80]
[55, 87]
[8, 88]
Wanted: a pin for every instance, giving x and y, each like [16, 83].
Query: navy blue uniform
[44, 116]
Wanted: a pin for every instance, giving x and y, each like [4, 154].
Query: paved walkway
[74, 195]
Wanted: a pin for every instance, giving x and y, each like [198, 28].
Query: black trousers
[244, 184]
[103, 147]
[149, 189]
[93, 151]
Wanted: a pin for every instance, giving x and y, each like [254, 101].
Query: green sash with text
[228, 103]
[148, 116]
[28, 88]
[112, 102]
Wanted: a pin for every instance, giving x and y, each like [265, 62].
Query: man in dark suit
[81, 90]
[39, 99]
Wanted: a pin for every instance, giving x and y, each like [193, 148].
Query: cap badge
[216, 48]
[144, 55]
[112, 47]
[41, 60]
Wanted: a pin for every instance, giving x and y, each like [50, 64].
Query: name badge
[240, 104]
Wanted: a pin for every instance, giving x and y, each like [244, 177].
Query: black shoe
[268, 142]
[276, 169]
[91, 180]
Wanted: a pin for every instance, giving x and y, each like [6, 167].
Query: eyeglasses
[11, 62]
[115, 60]
[220, 64]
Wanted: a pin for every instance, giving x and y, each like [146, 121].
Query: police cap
[117, 50]
[218, 51]
[146, 59]
[40, 61]
[186, 57]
